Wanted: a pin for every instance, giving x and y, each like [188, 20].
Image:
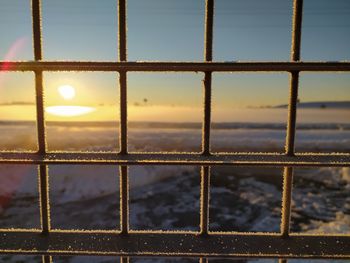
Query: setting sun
[67, 92]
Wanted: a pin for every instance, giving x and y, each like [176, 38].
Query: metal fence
[204, 243]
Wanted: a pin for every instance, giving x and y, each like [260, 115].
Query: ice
[340, 225]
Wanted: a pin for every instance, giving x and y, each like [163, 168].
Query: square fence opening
[160, 118]
[156, 33]
[81, 110]
[320, 200]
[249, 112]
[19, 197]
[245, 199]
[67, 27]
[84, 197]
[17, 112]
[164, 197]
[323, 113]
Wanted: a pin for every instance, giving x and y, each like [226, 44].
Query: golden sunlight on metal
[67, 92]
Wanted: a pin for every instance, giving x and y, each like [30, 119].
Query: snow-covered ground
[248, 137]
[167, 197]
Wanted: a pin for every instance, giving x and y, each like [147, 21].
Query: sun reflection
[69, 111]
[67, 92]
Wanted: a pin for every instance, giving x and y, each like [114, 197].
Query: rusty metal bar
[286, 200]
[124, 199]
[296, 30]
[123, 139]
[124, 181]
[292, 115]
[208, 56]
[124, 260]
[40, 118]
[176, 244]
[122, 30]
[44, 198]
[207, 113]
[176, 66]
[204, 202]
[36, 14]
[42, 172]
[46, 259]
[36, 23]
[294, 82]
[122, 76]
[205, 170]
[278, 160]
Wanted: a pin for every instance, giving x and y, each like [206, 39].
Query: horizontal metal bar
[176, 244]
[173, 66]
[280, 160]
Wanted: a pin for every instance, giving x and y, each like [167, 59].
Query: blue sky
[173, 30]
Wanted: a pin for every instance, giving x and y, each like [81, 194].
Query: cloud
[17, 103]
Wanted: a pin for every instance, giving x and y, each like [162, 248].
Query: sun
[67, 92]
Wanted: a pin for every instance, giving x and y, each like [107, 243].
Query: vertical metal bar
[124, 200]
[209, 24]
[43, 175]
[44, 199]
[205, 170]
[36, 13]
[292, 113]
[124, 181]
[46, 259]
[122, 29]
[282, 260]
[124, 260]
[286, 200]
[203, 260]
[296, 33]
[207, 113]
[294, 79]
[40, 118]
[204, 212]
[122, 76]
[208, 56]
[36, 16]
[123, 138]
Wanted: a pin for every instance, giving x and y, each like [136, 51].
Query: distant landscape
[320, 105]
[241, 198]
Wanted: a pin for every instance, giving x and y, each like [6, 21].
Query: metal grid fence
[202, 244]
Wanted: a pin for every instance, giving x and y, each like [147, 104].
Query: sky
[171, 30]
